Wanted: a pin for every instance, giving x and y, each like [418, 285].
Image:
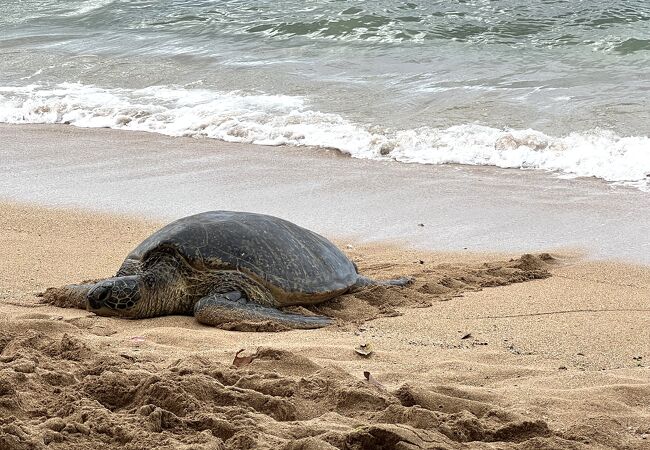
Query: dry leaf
[364, 350]
[136, 341]
[372, 380]
[241, 361]
[129, 357]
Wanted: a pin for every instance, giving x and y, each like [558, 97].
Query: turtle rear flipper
[231, 311]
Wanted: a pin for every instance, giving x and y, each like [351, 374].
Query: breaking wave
[289, 120]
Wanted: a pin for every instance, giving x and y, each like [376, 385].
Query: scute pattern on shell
[282, 255]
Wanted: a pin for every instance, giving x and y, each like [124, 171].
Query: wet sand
[470, 356]
[473, 208]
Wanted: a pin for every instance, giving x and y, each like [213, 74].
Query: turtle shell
[296, 264]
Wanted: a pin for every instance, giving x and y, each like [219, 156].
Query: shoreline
[460, 207]
[560, 362]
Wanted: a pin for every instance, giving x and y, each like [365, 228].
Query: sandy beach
[527, 325]
[462, 359]
[486, 162]
[482, 168]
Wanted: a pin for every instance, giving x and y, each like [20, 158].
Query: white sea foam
[86, 6]
[279, 119]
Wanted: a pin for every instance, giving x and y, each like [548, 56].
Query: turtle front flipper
[232, 311]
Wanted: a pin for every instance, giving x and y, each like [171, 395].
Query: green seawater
[415, 80]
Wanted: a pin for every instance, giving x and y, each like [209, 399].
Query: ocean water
[554, 85]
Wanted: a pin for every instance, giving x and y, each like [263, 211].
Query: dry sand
[558, 362]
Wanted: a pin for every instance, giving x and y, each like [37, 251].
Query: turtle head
[118, 296]
[159, 289]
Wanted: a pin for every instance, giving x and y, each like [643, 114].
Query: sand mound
[432, 283]
[64, 391]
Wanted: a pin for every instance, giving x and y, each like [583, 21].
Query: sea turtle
[228, 268]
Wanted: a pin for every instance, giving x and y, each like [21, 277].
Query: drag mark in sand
[550, 313]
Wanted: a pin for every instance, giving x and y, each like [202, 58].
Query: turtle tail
[363, 282]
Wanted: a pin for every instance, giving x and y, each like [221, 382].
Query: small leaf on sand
[370, 379]
[136, 341]
[241, 361]
[467, 336]
[129, 357]
[364, 350]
